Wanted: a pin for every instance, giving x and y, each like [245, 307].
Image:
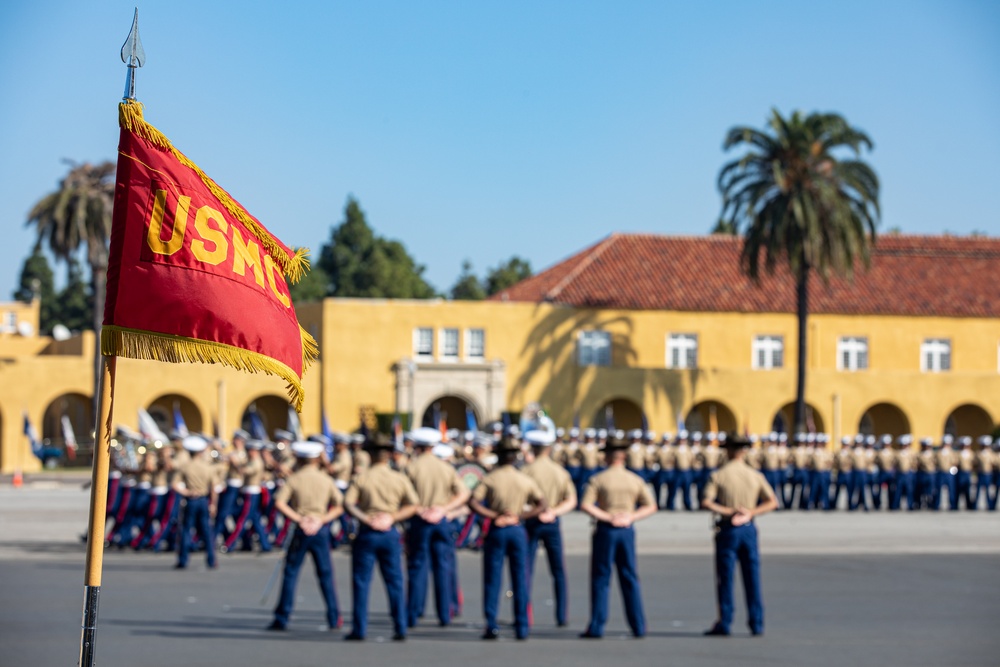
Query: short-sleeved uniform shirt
[381, 489]
[553, 480]
[197, 476]
[435, 481]
[617, 490]
[310, 492]
[737, 485]
[507, 490]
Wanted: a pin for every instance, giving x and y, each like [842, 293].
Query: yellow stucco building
[658, 328]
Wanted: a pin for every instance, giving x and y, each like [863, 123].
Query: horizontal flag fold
[192, 276]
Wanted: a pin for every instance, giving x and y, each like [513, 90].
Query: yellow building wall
[361, 340]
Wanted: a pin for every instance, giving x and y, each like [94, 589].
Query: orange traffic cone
[18, 480]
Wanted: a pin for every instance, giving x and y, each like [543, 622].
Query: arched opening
[263, 415]
[78, 411]
[621, 412]
[710, 416]
[968, 419]
[882, 419]
[784, 419]
[453, 410]
[162, 412]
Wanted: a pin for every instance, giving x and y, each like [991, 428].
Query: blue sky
[479, 130]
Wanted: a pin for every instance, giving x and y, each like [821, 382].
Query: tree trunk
[802, 310]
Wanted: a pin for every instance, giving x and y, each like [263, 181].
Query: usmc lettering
[210, 244]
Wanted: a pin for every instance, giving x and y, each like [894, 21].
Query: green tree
[37, 281]
[467, 287]
[76, 303]
[800, 196]
[78, 214]
[313, 287]
[361, 264]
[725, 227]
[508, 273]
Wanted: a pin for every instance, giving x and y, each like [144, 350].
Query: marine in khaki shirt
[617, 496]
[555, 483]
[504, 494]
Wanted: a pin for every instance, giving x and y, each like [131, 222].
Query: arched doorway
[624, 413]
[882, 419]
[79, 410]
[271, 413]
[162, 412]
[710, 416]
[784, 419]
[453, 410]
[968, 419]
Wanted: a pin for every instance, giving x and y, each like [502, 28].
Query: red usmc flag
[192, 276]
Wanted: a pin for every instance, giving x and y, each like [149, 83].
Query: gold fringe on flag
[130, 118]
[134, 344]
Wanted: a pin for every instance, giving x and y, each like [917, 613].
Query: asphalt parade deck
[839, 588]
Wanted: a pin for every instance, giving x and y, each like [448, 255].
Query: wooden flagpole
[98, 511]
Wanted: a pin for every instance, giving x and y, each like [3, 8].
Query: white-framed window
[449, 344]
[9, 323]
[852, 353]
[423, 343]
[682, 350]
[768, 352]
[594, 348]
[935, 355]
[475, 344]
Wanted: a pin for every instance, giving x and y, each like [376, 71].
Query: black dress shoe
[277, 626]
[180, 567]
[491, 633]
[590, 635]
[399, 637]
[716, 631]
[354, 637]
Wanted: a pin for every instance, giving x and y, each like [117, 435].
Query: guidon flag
[192, 276]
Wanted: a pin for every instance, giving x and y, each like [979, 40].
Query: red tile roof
[909, 275]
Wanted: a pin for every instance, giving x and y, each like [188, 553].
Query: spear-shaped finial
[133, 56]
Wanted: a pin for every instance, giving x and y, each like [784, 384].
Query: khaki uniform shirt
[590, 456]
[966, 460]
[845, 460]
[253, 472]
[381, 489]
[237, 459]
[435, 481]
[946, 458]
[985, 461]
[682, 457]
[772, 458]
[821, 460]
[555, 482]
[754, 457]
[885, 459]
[342, 466]
[617, 490]
[636, 458]
[927, 461]
[800, 456]
[667, 457]
[310, 492]
[697, 462]
[904, 460]
[572, 456]
[711, 456]
[362, 461]
[507, 490]
[737, 485]
[197, 477]
[179, 459]
[652, 456]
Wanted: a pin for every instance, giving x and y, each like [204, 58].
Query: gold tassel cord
[130, 118]
[134, 344]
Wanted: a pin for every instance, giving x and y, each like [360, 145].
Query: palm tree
[800, 195]
[78, 213]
